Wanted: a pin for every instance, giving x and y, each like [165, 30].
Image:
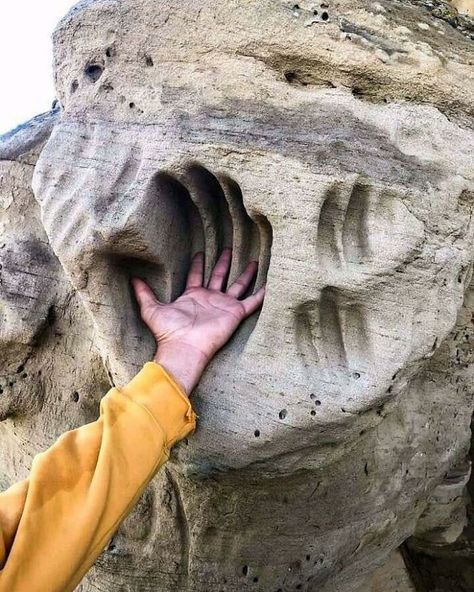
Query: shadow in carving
[343, 232]
[333, 332]
[355, 231]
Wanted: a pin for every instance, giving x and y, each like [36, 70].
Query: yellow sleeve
[54, 525]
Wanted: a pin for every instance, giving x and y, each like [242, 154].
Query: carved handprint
[365, 225]
[364, 232]
[113, 209]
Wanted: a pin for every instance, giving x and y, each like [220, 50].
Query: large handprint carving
[121, 217]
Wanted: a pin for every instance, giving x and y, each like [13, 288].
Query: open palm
[202, 319]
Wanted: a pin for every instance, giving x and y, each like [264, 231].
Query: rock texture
[464, 6]
[334, 142]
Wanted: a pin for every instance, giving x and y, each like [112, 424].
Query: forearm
[85, 484]
[185, 363]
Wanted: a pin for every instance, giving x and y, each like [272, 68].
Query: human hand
[190, 330]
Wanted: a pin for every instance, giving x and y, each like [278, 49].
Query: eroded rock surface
[333, 142]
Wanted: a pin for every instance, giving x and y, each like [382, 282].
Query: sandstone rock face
[333, 142]
[464, 6]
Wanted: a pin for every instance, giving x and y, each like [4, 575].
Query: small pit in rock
[93, 72]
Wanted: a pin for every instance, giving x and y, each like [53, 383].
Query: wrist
[183, 362]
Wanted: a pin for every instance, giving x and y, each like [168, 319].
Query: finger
[254, 302]
[220, 271]
[144, 294]
[241, 284]
[194, 279]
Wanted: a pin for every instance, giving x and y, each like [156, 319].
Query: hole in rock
[132, 105]
[149, 61]
[255, 579]
[325, 16]
[301, 78]
[312, 412]
[106, 87]
[75, 397]
[110, 52]
[245, 570]
[93, 72]
[358, 92]
[51, 318]
[74, 86]
[257, 433]
[283, 413]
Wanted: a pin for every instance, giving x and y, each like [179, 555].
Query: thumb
[144, 294]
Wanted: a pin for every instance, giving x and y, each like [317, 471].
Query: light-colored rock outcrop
[464, 6]
[334, 142]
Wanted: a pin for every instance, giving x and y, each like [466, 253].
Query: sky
[26, 58]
